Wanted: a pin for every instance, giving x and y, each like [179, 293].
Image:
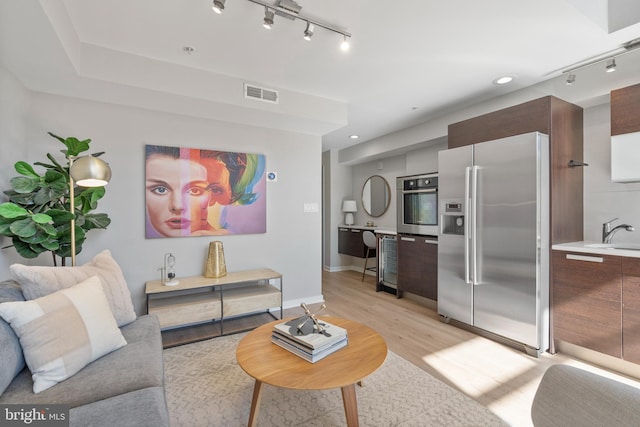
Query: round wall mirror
[376, 195]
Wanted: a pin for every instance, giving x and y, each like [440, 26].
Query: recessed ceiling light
[354, 136]
[503, 80]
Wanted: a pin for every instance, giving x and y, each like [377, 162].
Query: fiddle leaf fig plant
[38, 215]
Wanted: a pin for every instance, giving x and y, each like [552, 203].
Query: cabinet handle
[408, 239]
[585, 258]
[343, 229]
[355, 231]
[431, 242]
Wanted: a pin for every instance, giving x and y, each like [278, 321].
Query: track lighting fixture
[291, 10]
[611, 65]
[344, 46]
[608, 57]
[308, 32]
[218, 6]
[268, 18]
[570, 79]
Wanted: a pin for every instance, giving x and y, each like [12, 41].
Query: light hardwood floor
[499, 377]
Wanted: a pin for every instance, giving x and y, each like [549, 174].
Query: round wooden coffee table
[271, 364]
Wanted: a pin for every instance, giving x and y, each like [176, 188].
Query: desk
[271, 364]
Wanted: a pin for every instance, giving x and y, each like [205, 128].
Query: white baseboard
[296, 302]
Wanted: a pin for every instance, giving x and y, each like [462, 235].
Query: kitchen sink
[626, 246]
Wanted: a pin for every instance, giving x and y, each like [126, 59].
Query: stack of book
[303, 339]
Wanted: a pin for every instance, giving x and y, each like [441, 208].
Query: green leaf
[46, 195]
[24, 249]
[59, 167]
[5, 230]
[93, 221]
[55, 179]
[50, 245]
[23, 184]
[37, 238]
[75, 146]
[22, 199]
[23, 227]
[59, 138]
[49, 229]
[24, 168]
[41, 218]
[11, 210]
[60, 216]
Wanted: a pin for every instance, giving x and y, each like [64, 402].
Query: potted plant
[38, 215]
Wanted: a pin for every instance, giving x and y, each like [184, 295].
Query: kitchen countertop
[584, 248]
[375, 229]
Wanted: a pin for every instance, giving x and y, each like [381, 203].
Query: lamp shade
[89, 171]
[349, 206]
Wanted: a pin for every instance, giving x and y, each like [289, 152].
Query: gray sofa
[122, 388]
[569, 396]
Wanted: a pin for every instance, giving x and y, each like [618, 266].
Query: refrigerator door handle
[474, 223]
[467, 227]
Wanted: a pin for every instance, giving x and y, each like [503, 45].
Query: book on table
[304, 352]
[301, 337]
[303, 331]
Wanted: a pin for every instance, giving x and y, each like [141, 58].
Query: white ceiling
[409, 61]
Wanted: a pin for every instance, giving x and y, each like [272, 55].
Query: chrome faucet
[608, 232]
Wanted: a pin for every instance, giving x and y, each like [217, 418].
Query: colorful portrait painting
[197, 192]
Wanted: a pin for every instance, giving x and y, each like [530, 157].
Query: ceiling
[409, 61]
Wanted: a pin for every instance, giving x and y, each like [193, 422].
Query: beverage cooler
[388, 262]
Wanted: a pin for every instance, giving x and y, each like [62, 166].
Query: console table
[201, 307]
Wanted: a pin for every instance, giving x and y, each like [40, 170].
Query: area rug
[206, 387]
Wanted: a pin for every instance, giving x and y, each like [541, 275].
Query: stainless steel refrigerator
[493, 248]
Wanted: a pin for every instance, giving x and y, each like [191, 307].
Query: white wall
[14, 104]
[291, 245]
[604, 199]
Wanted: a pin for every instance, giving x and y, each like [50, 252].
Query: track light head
[344, 46]
[268, 18]
[308, 32]
[611, 65]
[571, 78]
[218, 6]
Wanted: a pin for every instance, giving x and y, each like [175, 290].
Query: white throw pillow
[63, 332]
[38, 281]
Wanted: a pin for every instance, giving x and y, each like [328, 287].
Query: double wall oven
[417, 198]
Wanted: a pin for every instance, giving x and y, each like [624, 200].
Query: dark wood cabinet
[587, 301]
[625, 110]
[631, 309]
[350, 242]
[418, 266]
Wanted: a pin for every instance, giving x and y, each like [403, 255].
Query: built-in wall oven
[417, 198]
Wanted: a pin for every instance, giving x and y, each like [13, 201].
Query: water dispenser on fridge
[452, 219]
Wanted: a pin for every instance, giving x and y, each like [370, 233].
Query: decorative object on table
[349, 206]
[198, 192]
[168, 270]
[215, 266]
[48, 212]
[308, 337]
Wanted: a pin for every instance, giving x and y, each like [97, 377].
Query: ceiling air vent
[260, 93]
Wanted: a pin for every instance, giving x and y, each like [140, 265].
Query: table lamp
[349, 206]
